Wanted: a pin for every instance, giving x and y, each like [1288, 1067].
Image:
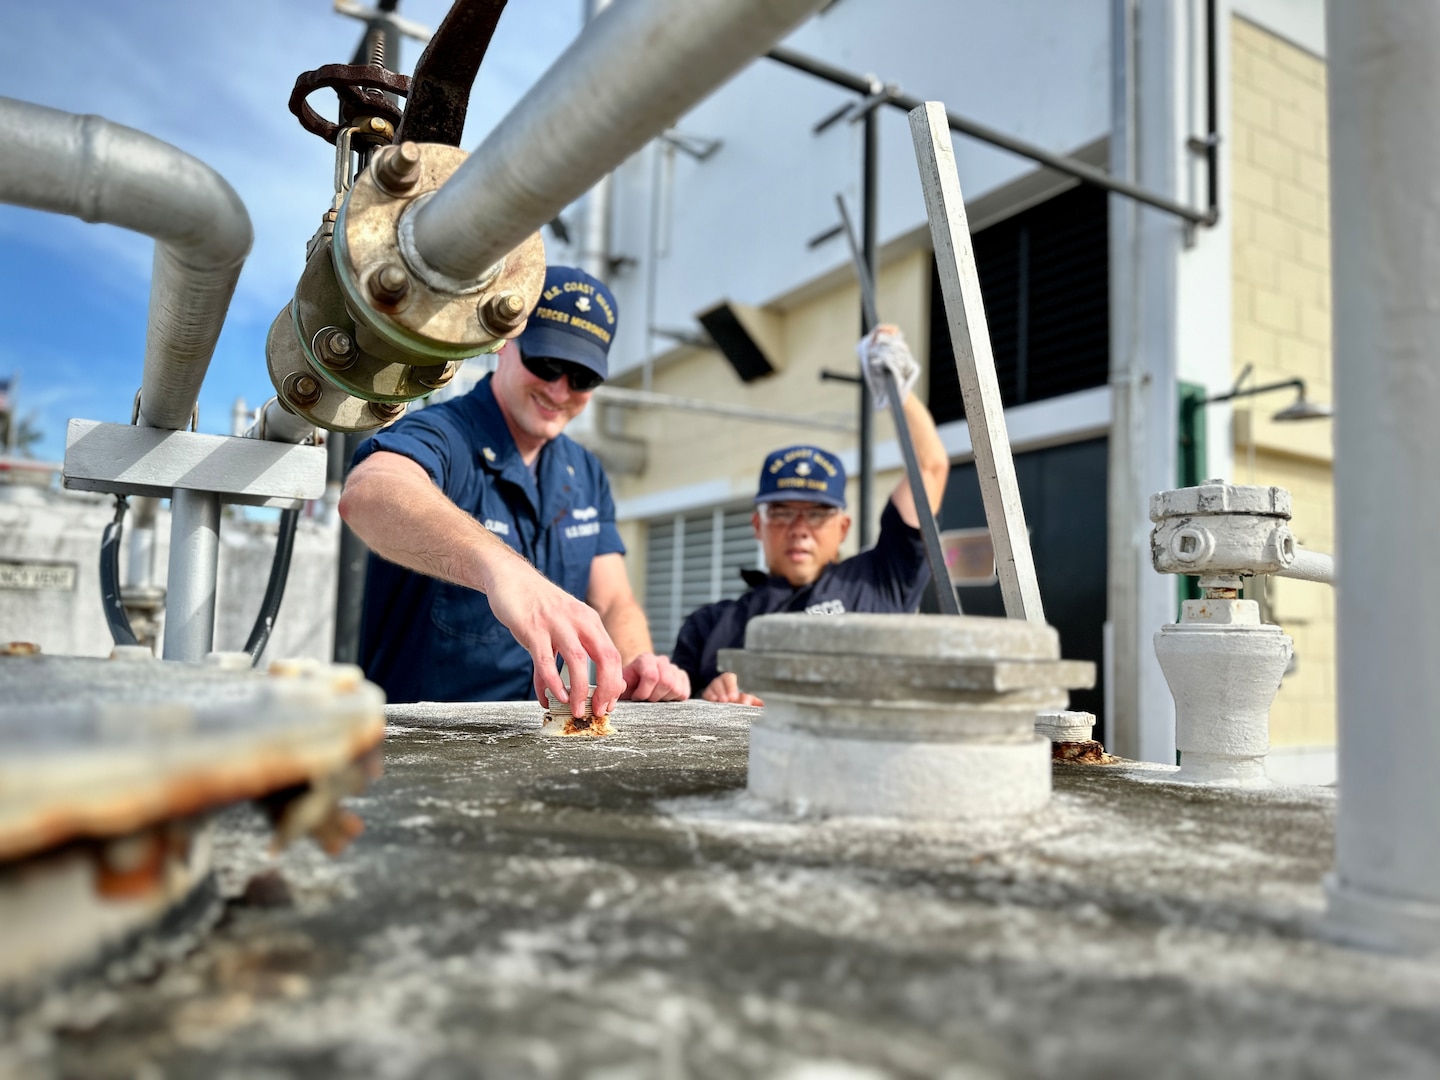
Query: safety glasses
[582, 379]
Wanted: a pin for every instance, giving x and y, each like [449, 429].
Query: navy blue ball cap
[574, 320]
[802, 474]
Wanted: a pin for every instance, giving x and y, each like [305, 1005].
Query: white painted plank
[975, 362]
[129, 460]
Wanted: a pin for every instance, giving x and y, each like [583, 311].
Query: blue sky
[213, 79]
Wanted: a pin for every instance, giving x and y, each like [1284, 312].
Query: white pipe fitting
[1223, 668]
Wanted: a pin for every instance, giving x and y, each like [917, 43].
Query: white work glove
[882, 350]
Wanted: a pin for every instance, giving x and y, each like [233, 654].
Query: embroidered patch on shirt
[574, 532]
[826, 607]
[499, 528]
[588, 513]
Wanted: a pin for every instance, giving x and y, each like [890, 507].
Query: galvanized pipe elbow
[98, 171]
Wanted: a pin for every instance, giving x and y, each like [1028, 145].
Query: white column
[1145, 246]
[1385, 222]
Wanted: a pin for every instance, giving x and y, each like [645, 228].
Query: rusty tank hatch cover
[111, 769]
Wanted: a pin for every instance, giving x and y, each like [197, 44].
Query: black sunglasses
[546, 369]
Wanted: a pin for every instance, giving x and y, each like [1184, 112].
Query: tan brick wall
[1281, 233]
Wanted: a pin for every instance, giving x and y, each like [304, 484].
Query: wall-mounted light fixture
[1302, 408]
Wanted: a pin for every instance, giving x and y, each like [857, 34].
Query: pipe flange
[431, 318]
[333, 409]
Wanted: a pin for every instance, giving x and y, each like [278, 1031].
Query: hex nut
[304, 391]
[386, 411]
[389, 284]
[502, 312]
[434, 381]
[335, 348]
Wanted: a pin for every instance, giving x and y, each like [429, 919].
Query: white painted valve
[1222, 664]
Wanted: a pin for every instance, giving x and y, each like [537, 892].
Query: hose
[275, 588]
[121, 632]
[115, 617]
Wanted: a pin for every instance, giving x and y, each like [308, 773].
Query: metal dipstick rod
[929, 531]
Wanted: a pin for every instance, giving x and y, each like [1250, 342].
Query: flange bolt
[336, 349]
[502, 312]
[389, 284]
[304, 391]
[386, 411]
[397, 168]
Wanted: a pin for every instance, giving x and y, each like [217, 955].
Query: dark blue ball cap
[574, 320]
[802, 474]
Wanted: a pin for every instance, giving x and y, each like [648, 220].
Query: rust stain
[1088, 752]
[245, 775]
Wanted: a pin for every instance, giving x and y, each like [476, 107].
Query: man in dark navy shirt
[462, 503]
[801, 522]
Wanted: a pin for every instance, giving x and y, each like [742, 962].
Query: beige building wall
[1282, 326]
[813, 332]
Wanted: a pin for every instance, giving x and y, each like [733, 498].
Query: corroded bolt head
[503, 311]
[389, 284]
[337, 349]
[386, 411]
[304, 391]
[397, 168]
[19, 648]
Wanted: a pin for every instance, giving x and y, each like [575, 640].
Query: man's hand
[726, 688]
[882, 350]
[546, 621]
[654, 678]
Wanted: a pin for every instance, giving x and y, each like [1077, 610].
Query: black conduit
[119, 623]
[275, 589]
[115, 617]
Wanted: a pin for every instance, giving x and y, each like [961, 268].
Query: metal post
[194, 563]
[869, 188]
[1385, 213]
[975, 364]
[350, 576]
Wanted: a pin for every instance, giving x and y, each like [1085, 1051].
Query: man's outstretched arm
[647, 677]
[934, 463]
[394, 506]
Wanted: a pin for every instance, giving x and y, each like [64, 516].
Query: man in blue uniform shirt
[801, 522]
[469, 507]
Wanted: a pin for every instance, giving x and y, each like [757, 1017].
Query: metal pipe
[1310, 566]
[1385, 214]
[276, 423]
[869, 192]
[1061, 164]
[639, 399]
[637, 67]
[194, 564]
[350, 574]
[140, 560]
[89, 168]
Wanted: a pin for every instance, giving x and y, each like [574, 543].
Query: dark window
[1063, 491]
[1045, 276]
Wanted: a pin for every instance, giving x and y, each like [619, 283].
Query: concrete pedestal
[914, 717]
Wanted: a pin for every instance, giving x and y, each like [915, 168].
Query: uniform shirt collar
[499, 455]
